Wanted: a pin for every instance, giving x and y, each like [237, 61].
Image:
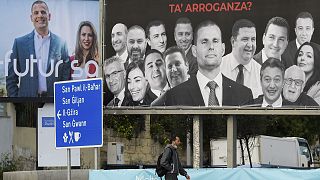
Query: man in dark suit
[275, 41]
[304, 30]
[156, 35]
[272, 81]
[38, 59]
[115, 75]
[208, 87]
[119, 41]
[183, 35]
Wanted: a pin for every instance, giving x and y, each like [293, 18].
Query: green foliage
[7, 164]
[163, 126]
[298, 126]
[128, 126]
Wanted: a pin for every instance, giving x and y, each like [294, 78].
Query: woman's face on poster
[137, 84]
[305, 59]
[86, 37]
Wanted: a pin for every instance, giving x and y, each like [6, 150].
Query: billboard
[212, 53]
[44, 42]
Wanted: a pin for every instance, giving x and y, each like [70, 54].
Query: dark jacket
[189, 94]
[304, 100]
[170, 161]
[286, 62]
[193, 64]
[257, 102]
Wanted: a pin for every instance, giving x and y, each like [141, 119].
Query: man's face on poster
[272, 83]
[176, 68]
[40, 16]
[244, 46]
[275, 41]
[183, 36]
[136, 44]
[293, 85]
[158, 38]
[209, 48]
[304, 30]
[115, 77]
[155, 71]
[119, 38]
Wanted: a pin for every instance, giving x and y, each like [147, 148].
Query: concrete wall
[140, 150]
[6, 129]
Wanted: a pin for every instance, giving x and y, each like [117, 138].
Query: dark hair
[152, 24]
[93, 51]
[136, 27]
[183, 20]
[39, 2]
[241, 23]
[304, 15]
[173, 137]
[279, 21]
[272, 63]
[175, 49]
[205, 23]
[151, 51]
[316, 67]
[111, 60]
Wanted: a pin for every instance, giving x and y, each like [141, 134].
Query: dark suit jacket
[193, 64]
[111, 103]
[189, 94]
[285, 62]
[22, 49]
[126, 63]
[290, 53]
[258, 101]
[258, 57]
[304, 100]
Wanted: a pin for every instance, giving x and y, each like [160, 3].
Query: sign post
[78, 113]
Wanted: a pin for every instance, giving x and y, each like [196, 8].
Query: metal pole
[96, 158]
[231, 142]
[69, 163]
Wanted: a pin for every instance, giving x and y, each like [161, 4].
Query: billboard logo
[29, 67]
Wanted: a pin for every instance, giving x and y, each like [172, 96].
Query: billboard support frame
[212, 110]
[197, 122]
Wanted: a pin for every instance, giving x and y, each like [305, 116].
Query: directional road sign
[78, 113]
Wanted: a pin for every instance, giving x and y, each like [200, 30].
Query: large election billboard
[44, 42]
[212, 53]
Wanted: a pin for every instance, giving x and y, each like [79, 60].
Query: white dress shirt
[277, 103]
[123, 57]
[297, 44]
[158, 93]
[251, 73]
[41, 47]
[205, 90]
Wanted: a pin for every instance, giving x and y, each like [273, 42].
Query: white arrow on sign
[58, 114]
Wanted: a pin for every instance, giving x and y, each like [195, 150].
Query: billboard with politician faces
[212, 53]
[44, 42]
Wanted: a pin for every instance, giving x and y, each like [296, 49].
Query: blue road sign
[78, 113]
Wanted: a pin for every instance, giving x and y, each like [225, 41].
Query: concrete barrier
[78, 174]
